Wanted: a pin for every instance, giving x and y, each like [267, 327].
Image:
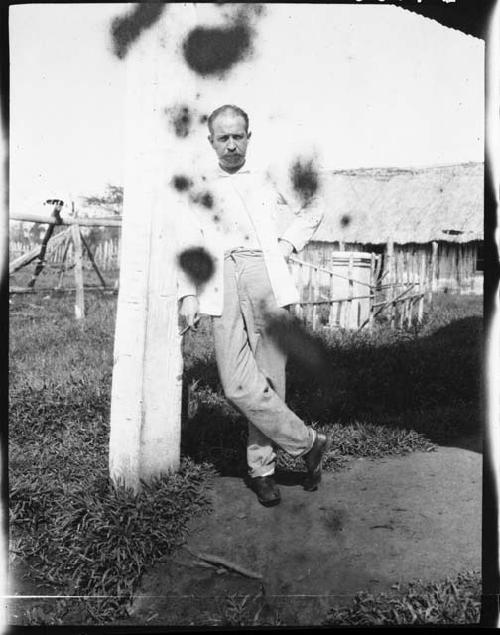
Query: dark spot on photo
[297, 342]
[216, 218]
[181, 182]
[180, 120]
[334, 520]
[197, 263]
[305, 180]
[249, 9]
[204, 198]
[345, 220]
[246, 237]
[207, 200]
[127, 28]
[204, 119]
[214, 50]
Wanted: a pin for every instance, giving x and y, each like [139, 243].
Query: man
[251, 282]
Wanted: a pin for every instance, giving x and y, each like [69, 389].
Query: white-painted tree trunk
[147, 374]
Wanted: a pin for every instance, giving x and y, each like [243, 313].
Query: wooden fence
[106, 253]
[366, 297]
[350, 293]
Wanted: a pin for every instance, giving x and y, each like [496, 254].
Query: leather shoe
[312, 459]
[268, 493]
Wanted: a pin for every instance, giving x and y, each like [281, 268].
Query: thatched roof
[407, 205]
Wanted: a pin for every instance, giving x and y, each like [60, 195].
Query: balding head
[229, 136]
[227, 108]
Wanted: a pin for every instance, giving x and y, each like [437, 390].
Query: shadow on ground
[427, 383]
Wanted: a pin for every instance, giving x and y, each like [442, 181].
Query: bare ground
[373, 525]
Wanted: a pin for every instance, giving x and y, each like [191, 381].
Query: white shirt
[233, 200]
[245, 204]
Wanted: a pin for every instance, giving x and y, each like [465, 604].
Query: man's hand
[286, 248]
[188, 310]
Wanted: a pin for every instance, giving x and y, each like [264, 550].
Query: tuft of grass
[244, 610]
[455, 600]
[69, 524]
[360, 439]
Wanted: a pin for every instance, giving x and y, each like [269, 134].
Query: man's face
[229, 139]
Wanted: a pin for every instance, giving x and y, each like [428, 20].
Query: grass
[72, 527]
[454, 600]
[384, 393]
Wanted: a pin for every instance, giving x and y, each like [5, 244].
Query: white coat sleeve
[305, 222]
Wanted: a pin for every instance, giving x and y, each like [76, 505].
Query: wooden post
[389, 254]
[460, 264]
[371, 301]
[409, 314]
[48, 233]
[92, 261]
[331, 315]
[146, 390]
[28, 257]
[24, 259]
[314, 287]
[421, 287]
[309, 306]
[350, 285]
[98, 256]
[433, 271]
[300, 287]
[79, 297]
[62, 268]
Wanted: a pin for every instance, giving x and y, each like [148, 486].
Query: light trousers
[251, 367]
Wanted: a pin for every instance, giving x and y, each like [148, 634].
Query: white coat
[272, 218]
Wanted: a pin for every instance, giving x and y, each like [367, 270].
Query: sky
[355, 85]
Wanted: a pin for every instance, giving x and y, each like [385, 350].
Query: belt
[242, 251]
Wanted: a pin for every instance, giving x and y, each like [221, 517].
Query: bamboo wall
[452, 269]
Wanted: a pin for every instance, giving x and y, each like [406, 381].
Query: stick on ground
[207, 557]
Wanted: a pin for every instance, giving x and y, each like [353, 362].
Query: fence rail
[351, 295]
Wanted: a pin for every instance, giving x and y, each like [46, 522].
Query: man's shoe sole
[271, 503]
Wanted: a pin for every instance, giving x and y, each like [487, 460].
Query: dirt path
[368, 527]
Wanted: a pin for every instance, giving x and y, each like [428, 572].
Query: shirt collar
[246, 169]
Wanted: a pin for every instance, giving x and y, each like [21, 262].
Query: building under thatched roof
[370, 206]
[427, 218]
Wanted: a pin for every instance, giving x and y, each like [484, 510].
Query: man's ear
[249, 134]
[210, 140]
